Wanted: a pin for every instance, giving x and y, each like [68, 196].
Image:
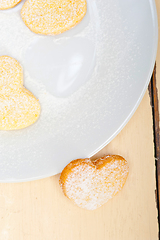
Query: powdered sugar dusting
[5, 4]
[90, 187]
[10, 72]
[18, 107]
[52, 17]
[74, 122]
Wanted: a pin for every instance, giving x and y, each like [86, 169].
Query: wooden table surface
[39, 211]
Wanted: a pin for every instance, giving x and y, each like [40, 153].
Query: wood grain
[155, 114]
[38, 210]
[155, 103]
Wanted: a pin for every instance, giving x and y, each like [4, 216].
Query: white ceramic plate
[89, 81]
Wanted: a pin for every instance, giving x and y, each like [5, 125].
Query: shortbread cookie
[19, 108]
[6, 4]
[52, 17]
[90, 184]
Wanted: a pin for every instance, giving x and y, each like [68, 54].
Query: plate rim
[155, 47]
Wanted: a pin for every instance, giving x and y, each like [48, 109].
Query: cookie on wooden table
[90, 184]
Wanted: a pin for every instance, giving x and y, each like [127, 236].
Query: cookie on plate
[52, 17]
[6, 4]
[19, 108]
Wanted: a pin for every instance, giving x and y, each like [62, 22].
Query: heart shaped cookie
[18, 107]
[90, 184]
[6, 4]
[52, 16]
